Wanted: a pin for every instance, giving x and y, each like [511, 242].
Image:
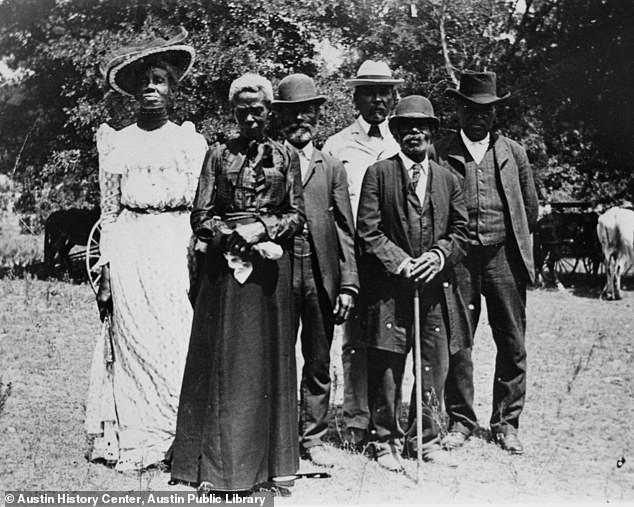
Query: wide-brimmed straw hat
[414, 107]
[373, 73]
[297, 89]
[478, 87]
[123, 65]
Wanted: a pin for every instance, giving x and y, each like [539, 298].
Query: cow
[62, 231]
[615, 230]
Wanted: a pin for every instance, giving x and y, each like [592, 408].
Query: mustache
[417, 137]
[297, 126]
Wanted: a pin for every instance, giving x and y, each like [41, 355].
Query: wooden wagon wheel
[566, 265]
[92, 256]
[592, 263]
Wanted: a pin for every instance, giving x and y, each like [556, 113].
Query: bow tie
[374, 131]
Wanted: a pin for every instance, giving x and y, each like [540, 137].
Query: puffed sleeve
[110, 170]
[196, 148]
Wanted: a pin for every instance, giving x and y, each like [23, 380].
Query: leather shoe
[453, 440]
[323, 455]
[387, 455]
[270, 487]
[509, 442]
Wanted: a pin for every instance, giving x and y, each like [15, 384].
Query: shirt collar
[383, 127]
[469, 142]
[408, 162]
[306, 151]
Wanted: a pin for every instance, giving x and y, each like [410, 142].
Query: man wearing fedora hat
[325, 281]
[412, 227]
[502, 206]
[358, 146]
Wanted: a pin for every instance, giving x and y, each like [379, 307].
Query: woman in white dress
[148, 177]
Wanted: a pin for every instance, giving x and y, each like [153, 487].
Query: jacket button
[437, 329]
[445, 284]
[388, 325]
[470, 306]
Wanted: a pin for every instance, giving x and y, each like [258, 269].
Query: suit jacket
[330, 223]
[517, 181]
[358, 151]
[384, 243]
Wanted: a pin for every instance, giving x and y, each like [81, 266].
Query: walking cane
[419, 387]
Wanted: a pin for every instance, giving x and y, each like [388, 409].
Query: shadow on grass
[39, 270]
[584, 285]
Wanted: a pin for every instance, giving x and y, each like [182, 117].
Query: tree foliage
[567, 63]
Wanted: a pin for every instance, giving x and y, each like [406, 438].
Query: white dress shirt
[477, 149]
[305, 154]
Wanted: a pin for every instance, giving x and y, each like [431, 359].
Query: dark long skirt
[237, 417]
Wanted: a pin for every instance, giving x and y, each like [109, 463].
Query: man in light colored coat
[325, 280]
[502, 204]
[358, 146]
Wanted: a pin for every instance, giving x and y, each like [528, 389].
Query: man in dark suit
[325, 280]
[502, 206]
[411, 231]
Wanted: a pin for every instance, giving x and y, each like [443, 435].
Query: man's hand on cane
[426, 267]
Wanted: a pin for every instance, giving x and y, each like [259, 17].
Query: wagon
[92, 256]
[565, 240]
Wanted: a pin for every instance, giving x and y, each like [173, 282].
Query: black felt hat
[478, 87]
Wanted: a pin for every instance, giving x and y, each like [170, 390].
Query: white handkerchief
[269, 250]
[241, 268]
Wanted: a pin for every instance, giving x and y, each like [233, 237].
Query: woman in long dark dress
[237, 420]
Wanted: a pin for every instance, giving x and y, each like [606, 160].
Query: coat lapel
[315, 161]
[456, 154]
[501, 153]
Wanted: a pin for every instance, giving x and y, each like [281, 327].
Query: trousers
[497, 273]
[385, 379]
[313, 308]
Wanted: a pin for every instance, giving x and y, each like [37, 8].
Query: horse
[616, 233]
[63, 230]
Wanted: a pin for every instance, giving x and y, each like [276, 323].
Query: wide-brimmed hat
[296, 89]
[373, 73]
[414, 107]
[478, 87]
[122, 66]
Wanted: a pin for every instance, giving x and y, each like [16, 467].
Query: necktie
[374, 131]
[416, 171]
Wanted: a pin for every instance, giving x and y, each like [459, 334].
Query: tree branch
[26, 138]
[445, 48]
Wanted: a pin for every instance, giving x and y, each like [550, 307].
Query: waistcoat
[421, 232]
[485, 204]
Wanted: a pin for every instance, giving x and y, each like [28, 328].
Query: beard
[299, 135]
[415, 145]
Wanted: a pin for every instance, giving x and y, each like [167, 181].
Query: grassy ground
[576, 425]
[18, 251]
